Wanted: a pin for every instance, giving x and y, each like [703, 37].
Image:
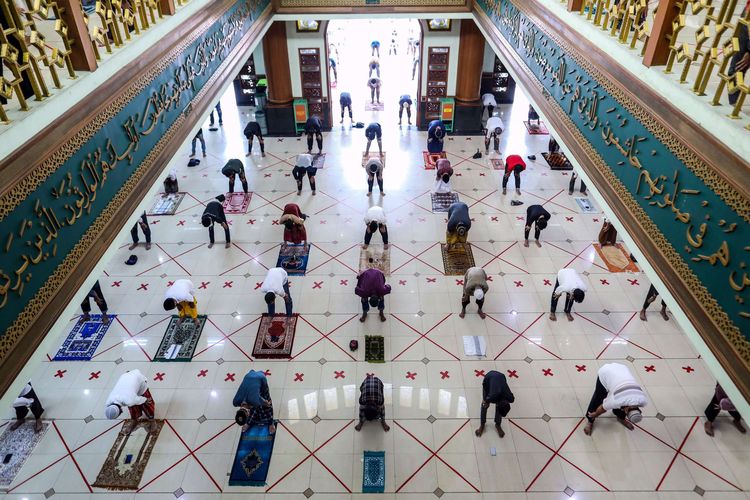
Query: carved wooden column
[82, 55]
[469, 78]
[657, 47]
[167, 7]
[276, 58]
[575, 5]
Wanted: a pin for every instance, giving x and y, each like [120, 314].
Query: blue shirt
[251, 388]
[345, 99]
[373, 130]
[458, 213]
[433, 127]
[406, 98]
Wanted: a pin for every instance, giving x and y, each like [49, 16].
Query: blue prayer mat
[253, 457]
[83, 339]
[293, 258]
[373, 474]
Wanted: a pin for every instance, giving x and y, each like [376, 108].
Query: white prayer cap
[478, 294]
[173, 174]
[112, 412]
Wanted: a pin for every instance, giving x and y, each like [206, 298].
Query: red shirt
[514, 161]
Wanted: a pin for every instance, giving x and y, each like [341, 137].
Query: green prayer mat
[374, 349]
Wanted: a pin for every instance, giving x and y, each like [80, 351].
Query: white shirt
[488, 100]
[494, 122]
[375, 213]
[276, 278]
[442, 187]
[181, 291]
[304, 160]
[622, 388]
[22, 400]
[128, 389]
[569, 280]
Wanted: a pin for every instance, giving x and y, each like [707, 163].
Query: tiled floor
[433, 390]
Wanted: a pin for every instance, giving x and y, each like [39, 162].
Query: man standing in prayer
[616, 390]
[143, 224]
[253, 399]
[130, 391]
[371, 402]
[96, 294]
[314, 128]
[495, 391]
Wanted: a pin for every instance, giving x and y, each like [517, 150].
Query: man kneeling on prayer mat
[254, 402]
[27, 400]
[182, 296]
[130, 391]
[443, 179]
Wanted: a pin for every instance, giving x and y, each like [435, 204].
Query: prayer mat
[15, 447]
[458, 259]
[124, 466]
[557, 161]
[179, 343]
[375, 257]
[373, 154]
[319, 160]
[535, 129]
[237, 203]
[430, 159]
[166, 204]
[253, 457]
[616, 258]
[374, 348]
[378, 106]
[83, 339]
[586, 205]
[275, 336]
[497, 163]
[474, 345]
[442, 201]
[373, 473]
[293, 258]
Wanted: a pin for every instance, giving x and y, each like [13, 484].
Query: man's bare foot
[739, 426]
[589, 428]
[245, 428]
[626, 423]
[197, 322]
[227, 244]
[358, 427]
[385, 247]
[15, 425]
[382, 193]
[642, 315]
[462, 314]
[479, 431]
[192, 155]
[313, 192]
[363, 318]
[569, 316]
[132, 246]
[386, 427]
[210, 245]
[518, 192]
[364, 246]
[263, 155]
[526, 243]
[538, 244]
[128, 426]
[500, 431]
[271, 429]
[38, 426]
[481, 314]
[382, 316]
[664, 314]
[84, 318]
[148, 246]
[369, 193]
[552, 317]
[105, 318]
[204, 154]
[709, 428]
[504, 190]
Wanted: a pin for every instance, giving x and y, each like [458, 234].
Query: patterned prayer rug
[253, 457]
[373, 154]
[179, 343]
[237, 203]
[373, 473]
[124, 466]
[374, 348]
[535, 129]
[557, 161]
[430, 159]
[378, 106]
[442, 201]
[319, 160]
[166, 205]
[375, 257]
[275, 336]
[458, 259]
[15, 447]
[83, 339]
[616, 258]
[293, 258]
[497, 163]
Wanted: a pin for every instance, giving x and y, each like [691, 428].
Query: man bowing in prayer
[130, 391]
[495, 390]
[254, 402]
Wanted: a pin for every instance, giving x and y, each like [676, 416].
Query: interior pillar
[468, 110]
[279, 111]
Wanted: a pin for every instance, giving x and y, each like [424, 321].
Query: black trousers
[345, 106]
[555, 298]
[318, 139]
[517, 176]
[144, 226]
[211, 233]
[598, 398]
[401, 111]
[713, 409]
[651, 296]
[36, 407]
[498, 414]
[371, 181]
[572, 184]
[495, 142]
[489, 111]
[537, 231]
[98, 296]
[243, 180]
[383, 232]
[250, 143]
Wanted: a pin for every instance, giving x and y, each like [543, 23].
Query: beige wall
[297, 41]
